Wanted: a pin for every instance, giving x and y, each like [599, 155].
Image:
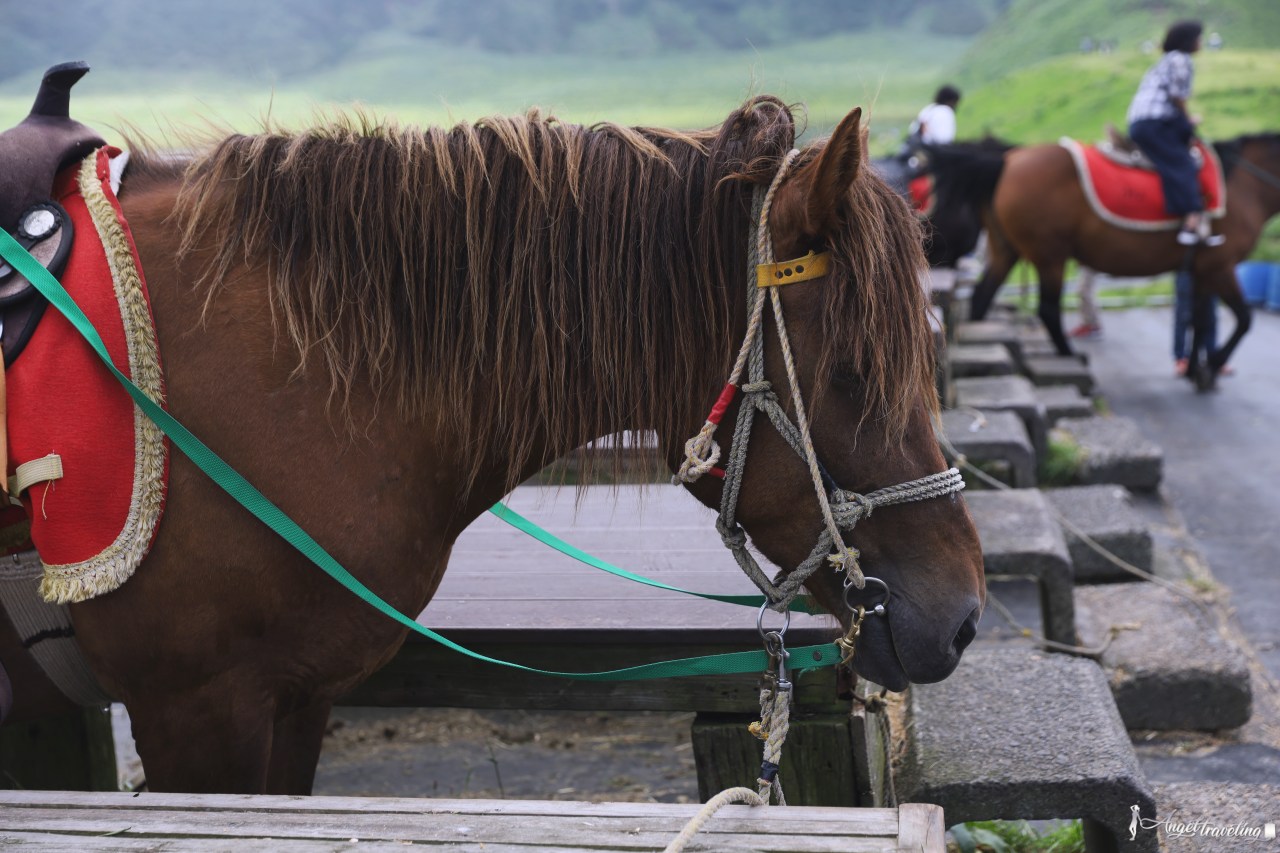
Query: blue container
[1255, 281]
[1273, 288]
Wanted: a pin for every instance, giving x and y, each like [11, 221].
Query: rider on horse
[1163, 129]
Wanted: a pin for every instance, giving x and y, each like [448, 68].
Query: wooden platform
[510, 597]
[187, 822]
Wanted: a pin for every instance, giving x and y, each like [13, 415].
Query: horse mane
[1230, 150]
[532, 281]
[969, 170]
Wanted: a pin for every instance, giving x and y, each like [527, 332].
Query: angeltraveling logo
[1200, 828]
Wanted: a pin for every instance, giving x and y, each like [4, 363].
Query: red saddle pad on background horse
[93, 524]
[922, 196]
[1132, 198]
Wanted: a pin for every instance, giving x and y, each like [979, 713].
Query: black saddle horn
[54, 97]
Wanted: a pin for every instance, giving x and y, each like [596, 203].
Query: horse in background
[388, 328]
[1040, 212]
[950, 187]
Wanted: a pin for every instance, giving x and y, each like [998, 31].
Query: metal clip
[775, 646]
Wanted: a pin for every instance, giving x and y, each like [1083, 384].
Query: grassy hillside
[1032, 31]
[1236, 92]
[890, 74]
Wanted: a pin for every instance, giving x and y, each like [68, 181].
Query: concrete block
[1063, 401]
[1170, 669]
[1105, 514]
[940, 284]
[1045, 349]
[1215, 806]
[979, 360]
[992, 437]
[1114, 451]
[1006, 393]
[1020, 538]
[991, 332]
[1015, 734]
[1059, 370]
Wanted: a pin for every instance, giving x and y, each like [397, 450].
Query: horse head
[863, 361]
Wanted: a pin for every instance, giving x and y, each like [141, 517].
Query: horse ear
[827, 179]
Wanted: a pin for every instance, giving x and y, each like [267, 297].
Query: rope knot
[733, 537]
[701, 453]
[851, 507]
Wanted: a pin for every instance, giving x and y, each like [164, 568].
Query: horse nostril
[968, 630]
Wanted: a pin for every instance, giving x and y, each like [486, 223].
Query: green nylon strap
[805, 657]
[524, 525]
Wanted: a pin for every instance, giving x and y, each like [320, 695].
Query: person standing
[1162, 128]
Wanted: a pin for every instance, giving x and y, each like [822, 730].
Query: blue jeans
[1165, 142]
[1183, 312]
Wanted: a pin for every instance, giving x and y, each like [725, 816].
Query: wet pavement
[1222, 452]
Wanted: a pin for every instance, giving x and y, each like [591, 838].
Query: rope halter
[841, 510]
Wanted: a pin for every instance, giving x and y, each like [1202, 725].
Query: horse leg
[295, 750]
[1001, 257]
[1050, 309]
[1201, 373]
[218, 735]
[1234, 300]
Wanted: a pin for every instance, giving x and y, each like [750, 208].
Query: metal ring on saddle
[878, 609]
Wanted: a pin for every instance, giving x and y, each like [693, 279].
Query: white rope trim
[1076, 150]
[72, 582]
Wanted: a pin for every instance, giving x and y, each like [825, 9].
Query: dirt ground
[597, 756]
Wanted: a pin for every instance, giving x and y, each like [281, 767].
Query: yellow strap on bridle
[789, 272]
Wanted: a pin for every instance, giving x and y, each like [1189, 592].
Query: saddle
[1121, 150]
[31, 155]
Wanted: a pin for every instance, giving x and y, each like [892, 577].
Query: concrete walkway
[1222, 475]
[1222, 452]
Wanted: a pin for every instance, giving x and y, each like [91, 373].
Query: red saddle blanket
[93, 524]
[922, 199]
[1132, 198]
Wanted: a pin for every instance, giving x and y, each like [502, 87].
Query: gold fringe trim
[73, 582]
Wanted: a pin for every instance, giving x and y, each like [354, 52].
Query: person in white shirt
[936, 123]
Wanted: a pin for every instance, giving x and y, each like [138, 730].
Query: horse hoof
[1205, 378]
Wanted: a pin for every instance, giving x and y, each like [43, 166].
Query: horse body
[1039, 212]
[384, 352]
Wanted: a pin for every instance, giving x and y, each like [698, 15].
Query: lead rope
[772, 728]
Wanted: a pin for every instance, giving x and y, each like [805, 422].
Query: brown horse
[385, 329]
[1039, 212]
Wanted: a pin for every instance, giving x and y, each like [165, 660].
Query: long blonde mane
[534, 281]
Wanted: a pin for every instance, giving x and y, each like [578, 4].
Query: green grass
[890, 75]
[1077, 95]
[996, 836]
[1061, 463]
[1032, 31]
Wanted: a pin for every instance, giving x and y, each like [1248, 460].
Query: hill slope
[1031, 31]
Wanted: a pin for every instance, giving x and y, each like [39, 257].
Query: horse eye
[845, 371]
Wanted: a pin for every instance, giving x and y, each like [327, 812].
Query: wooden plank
[428, 675]
[501, 583]
[921, 828]
[817, 767]
[207, 822]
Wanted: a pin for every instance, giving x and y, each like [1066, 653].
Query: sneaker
[1085, 330]
[1214, 240]
[1188, 238]
[1180, 367]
